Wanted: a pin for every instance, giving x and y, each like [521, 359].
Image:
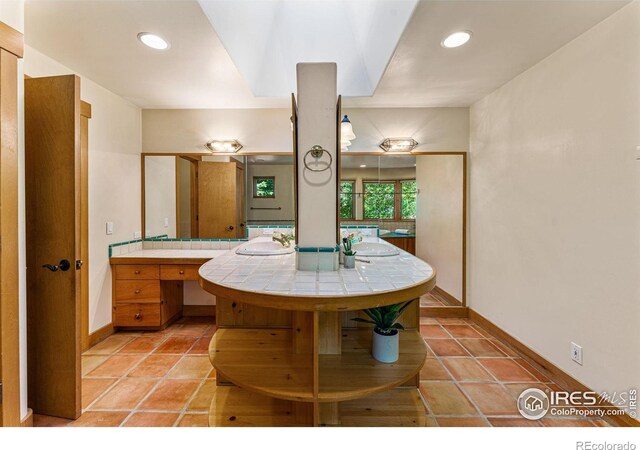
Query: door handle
[63, 265]
[230, 228]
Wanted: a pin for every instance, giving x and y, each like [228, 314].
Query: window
[379, 200]
[347, 199]
[408, 199]
[264, 187]
[390, 200]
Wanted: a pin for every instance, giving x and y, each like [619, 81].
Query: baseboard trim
[437, 291]
[27, 422]
[444, 311]
[563, 379]
[100, 335]
[199, 310]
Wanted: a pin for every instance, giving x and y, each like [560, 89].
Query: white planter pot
[349, 261]
[386, 348]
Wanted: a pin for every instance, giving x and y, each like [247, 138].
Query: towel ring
[316, 152]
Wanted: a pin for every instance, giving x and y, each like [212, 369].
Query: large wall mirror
[418, 203]
[203, 196]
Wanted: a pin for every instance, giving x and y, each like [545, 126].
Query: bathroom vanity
[288, 354]
[148, 285]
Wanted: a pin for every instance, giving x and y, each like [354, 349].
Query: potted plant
[386, 336]
[349, 254]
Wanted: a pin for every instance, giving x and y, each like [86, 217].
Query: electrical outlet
[576, 353]
[109, 229]
[166, 222]
[137, 234]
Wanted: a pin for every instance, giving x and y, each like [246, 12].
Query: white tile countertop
[173, 254]
[278, 275]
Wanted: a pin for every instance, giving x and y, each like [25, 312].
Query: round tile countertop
[274, 282]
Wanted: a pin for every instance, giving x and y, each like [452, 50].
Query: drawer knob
[137, 272]
[181, 272]
[138, 316]
[137, 291]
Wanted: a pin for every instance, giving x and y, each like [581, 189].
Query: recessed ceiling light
[363, 165]
[456, 39]
[153, 40]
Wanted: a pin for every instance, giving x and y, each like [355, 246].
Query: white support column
[317, 195]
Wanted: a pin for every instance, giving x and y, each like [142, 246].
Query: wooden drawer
[136, 315]
[137, 272]
[138, 291]
[179, 272]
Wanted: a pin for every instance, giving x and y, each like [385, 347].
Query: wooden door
[240, 224]
[53, 231]
[217, 200]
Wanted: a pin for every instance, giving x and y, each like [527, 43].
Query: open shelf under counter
[232, 406]
[262, 361]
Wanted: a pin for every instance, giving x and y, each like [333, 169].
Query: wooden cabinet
[408, 244]
[149, 295]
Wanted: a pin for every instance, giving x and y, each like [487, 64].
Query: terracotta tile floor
[163, 379]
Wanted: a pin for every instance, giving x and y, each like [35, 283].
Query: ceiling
[385, 161]
[278, 34]
[98, 40]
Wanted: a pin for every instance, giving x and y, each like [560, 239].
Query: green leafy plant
[347, 247]
[384, 317]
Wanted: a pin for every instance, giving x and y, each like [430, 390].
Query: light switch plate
[166, 222]
[109, 228]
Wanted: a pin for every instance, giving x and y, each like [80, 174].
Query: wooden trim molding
[439, 292]
[11, 40]
[100, 335]
[199, 310]
[444, 311]
[9, 297]
[563, 379]
[27, 422]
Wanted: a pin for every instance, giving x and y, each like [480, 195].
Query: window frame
[353, 199]
[255, 182]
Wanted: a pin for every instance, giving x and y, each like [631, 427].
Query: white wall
[160, 196]
[114, 177]
[284, 192]
[269, 130]
[439, 218]
[555, 204]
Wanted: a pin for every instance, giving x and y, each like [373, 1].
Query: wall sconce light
[231, 146]
[398, 144]
[346, 133]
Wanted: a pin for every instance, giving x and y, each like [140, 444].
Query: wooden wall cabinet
[408, 244]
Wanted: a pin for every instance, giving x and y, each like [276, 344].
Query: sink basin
[264, 248]
[374, 249]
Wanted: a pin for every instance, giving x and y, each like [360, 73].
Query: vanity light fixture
[231, 146]
[362, 166]
[398, 144]
[456, 39]
[153, 40]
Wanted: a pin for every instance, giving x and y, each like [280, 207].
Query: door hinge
[0, 393]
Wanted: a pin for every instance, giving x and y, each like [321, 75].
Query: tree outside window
[347, 197]
[408, 199]
[264, 187]
[379, 200]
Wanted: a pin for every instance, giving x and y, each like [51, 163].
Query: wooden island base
[311, 368]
